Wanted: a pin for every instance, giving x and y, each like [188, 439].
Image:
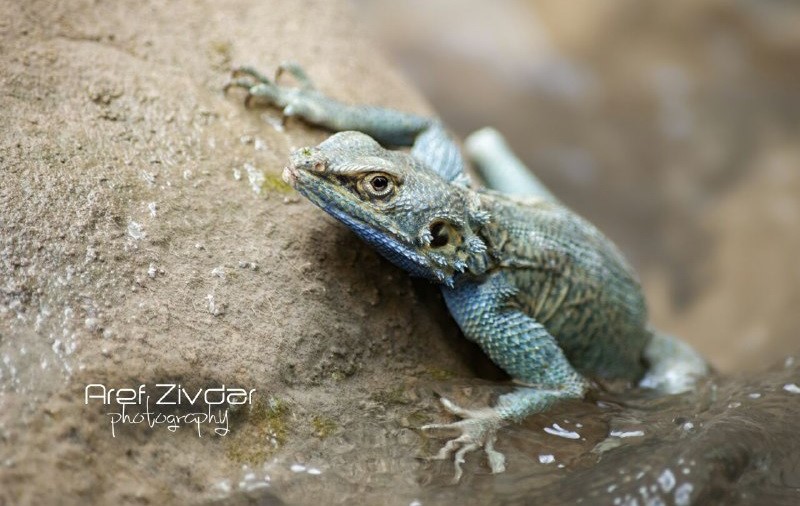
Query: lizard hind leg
[500, 168]
[674, 366]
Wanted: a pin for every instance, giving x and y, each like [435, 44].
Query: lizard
[543, 292]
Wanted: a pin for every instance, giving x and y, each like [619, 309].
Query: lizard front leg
[430, 141]
[523, 348]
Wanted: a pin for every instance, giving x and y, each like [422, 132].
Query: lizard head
[412, 216]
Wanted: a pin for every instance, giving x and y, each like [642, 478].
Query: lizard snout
[308, 160]
[290, 176]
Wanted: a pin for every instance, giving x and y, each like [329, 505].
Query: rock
[105, 108]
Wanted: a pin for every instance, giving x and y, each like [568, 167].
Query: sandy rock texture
[146, 237]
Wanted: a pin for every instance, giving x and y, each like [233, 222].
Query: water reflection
[729, 441]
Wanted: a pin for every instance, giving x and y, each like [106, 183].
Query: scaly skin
[542, 291]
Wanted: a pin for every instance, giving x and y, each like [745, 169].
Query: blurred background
[673, 126]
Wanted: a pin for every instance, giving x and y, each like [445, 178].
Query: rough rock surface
[146, 236]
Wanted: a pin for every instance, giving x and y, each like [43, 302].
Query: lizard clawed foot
[255, 82]
[257, 85]
[478, 429]
[292, 101]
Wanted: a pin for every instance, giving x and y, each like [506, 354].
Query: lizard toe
[477, 430]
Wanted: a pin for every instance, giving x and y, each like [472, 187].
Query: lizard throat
[392, 249]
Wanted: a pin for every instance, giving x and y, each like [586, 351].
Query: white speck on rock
[91, 324]
[237, 174]
[683, 494]
[297, 468]
[153, 207]
[792, 388]
[218, 272]
[135, 230]
[667, 480]
[276, 123]
[215, 308]
[256, 178]
[223, 486]
[547, 459]
[152, 271]
[623, 434]
[557, 430]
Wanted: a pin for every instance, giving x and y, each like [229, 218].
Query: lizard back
[573, 280]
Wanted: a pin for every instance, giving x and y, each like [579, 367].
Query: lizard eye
[441, 234]
[378, 185]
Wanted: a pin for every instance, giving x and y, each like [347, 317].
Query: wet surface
[146, 237]
[731, 441]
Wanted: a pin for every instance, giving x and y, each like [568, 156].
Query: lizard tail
[500, 168]
[674, 365]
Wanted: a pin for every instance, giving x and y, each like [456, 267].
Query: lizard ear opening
[442, 234]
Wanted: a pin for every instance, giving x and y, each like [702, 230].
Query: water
[731, 441]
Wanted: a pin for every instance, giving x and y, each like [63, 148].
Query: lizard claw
[478, 429]
[297, 72]
[293, 101]
[258, 86]
[246, 78]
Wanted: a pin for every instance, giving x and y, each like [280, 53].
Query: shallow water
[731, 441]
